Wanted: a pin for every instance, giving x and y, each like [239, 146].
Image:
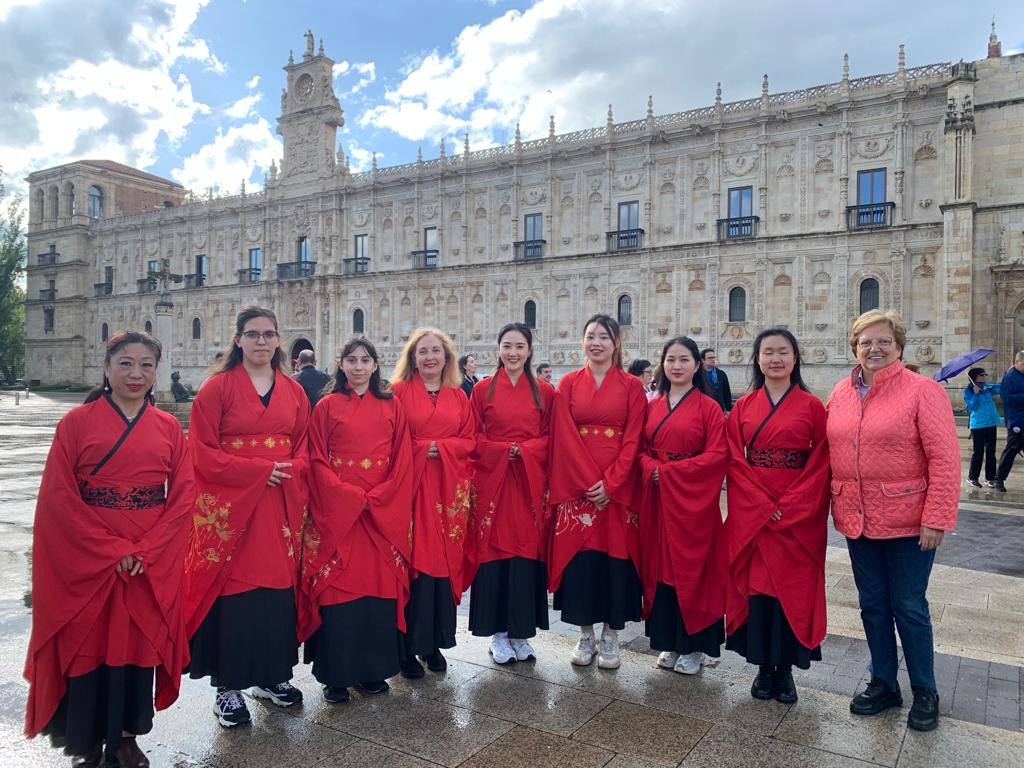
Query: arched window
[625, 310]
[40, 211]
[95, 202]
[868, 294]
[357, 321]
[54, 203]
[737, 305]
[69, 193]
[148, 327]
[104, 332]
[530, 314]
[197, 328]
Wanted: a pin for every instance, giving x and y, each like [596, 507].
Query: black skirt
[247, 639]
[509, 595]
[99, 705]
[767, 638]
[358, 642]
[599, 589]
[429, 616]
[667, 630]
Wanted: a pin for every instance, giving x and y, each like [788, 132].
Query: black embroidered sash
[777, 458]
[137, 497]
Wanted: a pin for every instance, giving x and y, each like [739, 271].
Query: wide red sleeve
[212, 463]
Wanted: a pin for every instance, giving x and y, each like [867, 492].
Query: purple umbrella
[961, 363]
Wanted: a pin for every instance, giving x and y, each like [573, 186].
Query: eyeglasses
[880, 343]
[267, 336]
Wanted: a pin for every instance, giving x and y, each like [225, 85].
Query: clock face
[304, 88]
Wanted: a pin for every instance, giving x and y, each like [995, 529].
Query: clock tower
[310, 115]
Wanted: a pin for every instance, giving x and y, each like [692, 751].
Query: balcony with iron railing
[146, 284]
[357, 265]
[870, 216]
[251, 275]
[424, 259]
[737, 227]
[47, 259]
[625, 239]
[295, 270]
[102, 289]
[47, 294]
[197, 280]
[526, 250]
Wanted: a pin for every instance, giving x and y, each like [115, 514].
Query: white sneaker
[608, 658]
[584, 653]
[667, 659]
[689, 663]
[500, 649]
[523, 649]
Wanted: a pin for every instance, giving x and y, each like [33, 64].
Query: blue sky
[190, 89]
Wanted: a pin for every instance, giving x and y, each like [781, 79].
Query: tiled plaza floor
[549, 713]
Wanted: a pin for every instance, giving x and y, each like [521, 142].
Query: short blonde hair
[406, 365]
[873, 316]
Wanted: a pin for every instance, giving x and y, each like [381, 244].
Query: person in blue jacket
[979, 397]
[1011, 391]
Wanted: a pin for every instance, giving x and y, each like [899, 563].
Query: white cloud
[241, 152]
[368, 72]
[253, 83]
[340, 69]
[244, 107]
[361, 159]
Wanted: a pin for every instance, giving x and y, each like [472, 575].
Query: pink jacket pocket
[902, 502]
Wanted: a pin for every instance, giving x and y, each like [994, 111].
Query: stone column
[165, 333]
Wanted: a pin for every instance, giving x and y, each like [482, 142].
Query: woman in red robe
[505, 548]
[356, 546]
[776, 530]
[248, 437]
[594, 555]
[681, 540]
[108, 553]
[426, 381]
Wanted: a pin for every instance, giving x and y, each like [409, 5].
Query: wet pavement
[549, 713]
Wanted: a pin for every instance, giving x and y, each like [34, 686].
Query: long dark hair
[662, 381]
[525, 330]
[232, 356]
[757, 375]
[611, 325]
[340, 382]
[118, 341]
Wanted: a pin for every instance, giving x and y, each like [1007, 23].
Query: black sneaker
[230, 708]
[990, 483]
[335, 694]
[282, 694]
[764, 683]
[436, 662]
[999, 486]
[377, 686]
[411, 668]
[973, 482]
[924, 714]
[784, 690]
[876, 697]
[93, 760]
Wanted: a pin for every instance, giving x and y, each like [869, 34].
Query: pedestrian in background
[642, 370]
[718, 382]
[980, 402]
[1011, 392]
[467, 370]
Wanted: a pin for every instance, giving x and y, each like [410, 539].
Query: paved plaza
[549, 713]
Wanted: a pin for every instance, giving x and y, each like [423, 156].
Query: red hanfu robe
[595, 435]
[441, 493]
[778, 461]
[358, 537]
[246, 533]
[111, 488]
[508, 518]
[681, 531]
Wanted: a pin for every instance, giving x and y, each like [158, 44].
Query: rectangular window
[871, 187]
[741, 202]
[430, 239]
[108, 275]
[533, 227]
[629, 215]
[360, 247]
[201, 265]
[256, 259]
[151, 267]
[48, 319]
[302, 249]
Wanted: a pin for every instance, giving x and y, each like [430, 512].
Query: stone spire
[901, 64]
[551, 128]
[650, 107]
[373, 162]
[465, 145]
[718, 98]
[441, 155]
[291, 57]
[519, 136]
[419, 154]
[321, 51]
[764, 92]
[610, 121]
[995, 48]
[846, 67]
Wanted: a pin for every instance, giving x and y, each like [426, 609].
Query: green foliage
[12, 296]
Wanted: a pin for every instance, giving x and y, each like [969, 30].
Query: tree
[12, 295]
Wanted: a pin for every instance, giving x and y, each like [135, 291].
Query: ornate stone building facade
[899, 190]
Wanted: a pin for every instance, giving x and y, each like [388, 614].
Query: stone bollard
[17, 397]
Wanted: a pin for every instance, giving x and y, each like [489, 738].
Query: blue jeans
[892, 578]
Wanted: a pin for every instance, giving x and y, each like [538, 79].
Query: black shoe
[230, 708]
[784, 690]
[876, 697]
[335, 694]
[763, 683]
[92, 760]
[436, 661]
[975, 483]
[990, 483]
[411, 668]
[375, 687]
[282, 694]
[999, 486]
[924, 714]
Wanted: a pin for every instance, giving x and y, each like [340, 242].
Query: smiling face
[259, 341]
[429, 357]
[131, 372]
[358, 367]
[776, 358]
[877, 348]
[598, 344]
[514, 351]
[679, 365]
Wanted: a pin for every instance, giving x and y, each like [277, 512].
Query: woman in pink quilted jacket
[895, 488]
